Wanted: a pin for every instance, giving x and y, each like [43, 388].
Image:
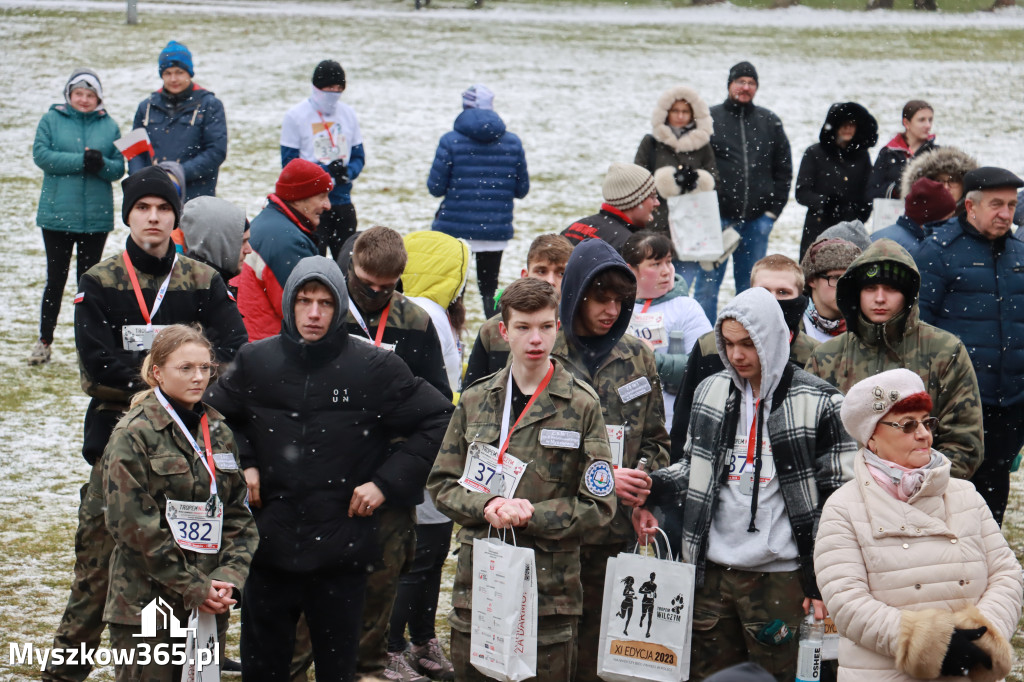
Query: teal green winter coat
[73, 200]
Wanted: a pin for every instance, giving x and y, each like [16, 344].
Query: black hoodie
[318, 420]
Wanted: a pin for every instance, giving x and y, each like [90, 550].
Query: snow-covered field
[576, 83]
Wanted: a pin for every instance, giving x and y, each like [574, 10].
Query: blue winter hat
[175, 54]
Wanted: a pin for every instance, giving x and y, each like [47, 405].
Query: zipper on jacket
[746, 163]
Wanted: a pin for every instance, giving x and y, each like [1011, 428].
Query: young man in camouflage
[878, 298]
[765, 448]
[566, 491]
[546, 261]
[597, 302]
[113, 334]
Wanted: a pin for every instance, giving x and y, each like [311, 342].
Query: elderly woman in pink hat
[911, 565]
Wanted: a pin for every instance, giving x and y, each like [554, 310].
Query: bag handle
[657, 549]
[513, 531]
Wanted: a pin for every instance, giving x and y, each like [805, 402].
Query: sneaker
[432, 661]
[399, 669]
[40, 354]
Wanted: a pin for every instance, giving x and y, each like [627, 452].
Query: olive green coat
[148, 461]
[565, 509]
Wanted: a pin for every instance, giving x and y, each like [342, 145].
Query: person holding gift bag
[175, 503]
[527, 449]
[911, 564]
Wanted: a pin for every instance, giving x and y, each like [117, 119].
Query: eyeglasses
[910, 426]
[832, 280]
[188, 370]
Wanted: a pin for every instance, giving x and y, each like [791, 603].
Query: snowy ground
[577, 84]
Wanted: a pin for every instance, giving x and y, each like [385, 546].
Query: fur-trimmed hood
[696, 138]
[838, 114]
[940, 161]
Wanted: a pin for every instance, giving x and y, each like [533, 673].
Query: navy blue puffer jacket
[973, 287]
[189, 128]
[479, 168]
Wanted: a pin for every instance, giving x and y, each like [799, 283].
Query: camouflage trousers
[396, 530]
[593, 561]
[556, 648]
[732, 608]
[123, 637]
[82, 621]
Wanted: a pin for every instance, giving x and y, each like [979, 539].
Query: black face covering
[365, 298]
[793, 310]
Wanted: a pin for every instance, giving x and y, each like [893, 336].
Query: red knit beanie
[928, 201]
[301, 179]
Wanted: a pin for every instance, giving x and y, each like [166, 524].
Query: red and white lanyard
[647, 305]
[147, 315]
[751, 407]
[380, 325]
[207, 460]
[327, 128]
[506, 433]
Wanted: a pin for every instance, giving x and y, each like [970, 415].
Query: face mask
[324, 102]
[793, 310]
[365, 298]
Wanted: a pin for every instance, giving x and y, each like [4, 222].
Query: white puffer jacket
[898, 577]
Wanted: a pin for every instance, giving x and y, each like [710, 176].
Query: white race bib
[139, 337]
[482, 473]
[616, 440]
[326, 149]
[740, 470]
[195, 526]
[649, 327]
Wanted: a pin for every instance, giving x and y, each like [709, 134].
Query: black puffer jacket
[753, 159]
[318, 419]
[833, 180]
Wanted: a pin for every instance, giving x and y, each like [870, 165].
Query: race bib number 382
[195, 526]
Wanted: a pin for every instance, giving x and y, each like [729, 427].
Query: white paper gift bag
[201, 661]
[695, 226]
[646, 619]
[503, 635]
[885, 212]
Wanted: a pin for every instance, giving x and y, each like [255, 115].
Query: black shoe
[229, 665]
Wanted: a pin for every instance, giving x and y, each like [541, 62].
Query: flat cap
[990, 177]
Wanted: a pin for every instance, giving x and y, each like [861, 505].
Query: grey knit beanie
[626, 185]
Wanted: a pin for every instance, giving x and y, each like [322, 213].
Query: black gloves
[92, 159]
[686, 178]
[963, 654]
[338, 171]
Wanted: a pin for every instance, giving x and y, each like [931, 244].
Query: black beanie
[888, 272]
[743, 70]
[328, 73]
[151, 181]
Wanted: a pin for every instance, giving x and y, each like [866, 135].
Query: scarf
[823, 324]
[899, 481]
[679, 132]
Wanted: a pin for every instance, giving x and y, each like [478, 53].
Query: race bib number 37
[483, 474]
[195, 526]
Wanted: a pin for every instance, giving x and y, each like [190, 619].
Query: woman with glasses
[911, 565]
[175, 505]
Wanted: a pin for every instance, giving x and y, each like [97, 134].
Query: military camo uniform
[630, 363]
[937, 356]
[490, 352]
[565, 508]
[147, 462]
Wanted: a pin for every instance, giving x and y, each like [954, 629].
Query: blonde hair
[168, 340]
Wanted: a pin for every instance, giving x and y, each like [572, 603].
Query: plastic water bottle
[808, 662]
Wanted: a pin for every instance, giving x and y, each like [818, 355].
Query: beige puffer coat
[897, 577]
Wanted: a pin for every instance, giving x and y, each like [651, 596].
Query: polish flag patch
[79, 297]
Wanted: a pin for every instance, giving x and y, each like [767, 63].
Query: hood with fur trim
[939, 161]
[704, 126]
[761, 315]
[838, 114]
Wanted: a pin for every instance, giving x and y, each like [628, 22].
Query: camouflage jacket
[490, 352]
[938, 357]
[411, 332]
[566, 507]
[148, 461]
[106, 302]
[629, 373]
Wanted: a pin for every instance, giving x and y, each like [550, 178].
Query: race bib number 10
[196, 526]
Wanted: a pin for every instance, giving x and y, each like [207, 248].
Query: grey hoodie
[213, 231]
[327, 272]
[732, 543]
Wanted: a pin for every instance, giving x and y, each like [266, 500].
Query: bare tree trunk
[133, 12]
